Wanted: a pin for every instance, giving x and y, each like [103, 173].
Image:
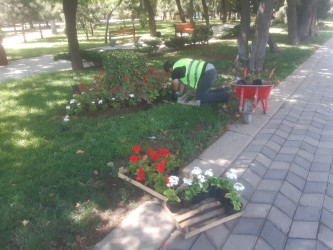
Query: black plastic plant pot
[229, 208]
[174, 206]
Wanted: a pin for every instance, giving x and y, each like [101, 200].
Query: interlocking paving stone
[285, 128]
[306, 164]
[248, 191]
[315, 187]
[317, 176]
[203, 243]
[295, 180]
[311, 141]
[321, 246]
[313, 135]
[300, 244]
[279, 174]
[312, 200]
[295, 144]
[251, 226]
[262, 245]
[304, 229]
[307, 213]
[256, 210]
[280, 165]
[308, 147]
[251, 177]
[320, 166]
[258, 168]
[240, 242]
[273, 236]
[325, 236]
[273, 145]
[301, 172]
[263, 196]
[297, 131]
[306, 155]
[324, 158]
[285, 205]
[291, 192]
[282, 134]
[285, 157]
[278, 139]
[264, 160]
[280, 219]
[177, 241]
[270, 185]
[289, 150]
[327, 219]
[329, 190]
[222, 231]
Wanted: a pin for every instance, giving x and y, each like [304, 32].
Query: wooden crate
[200, 217]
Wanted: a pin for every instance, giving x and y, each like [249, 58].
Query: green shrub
[202, 33]
[175, 42]
[91, 56]
[122, 63]
[153, 45]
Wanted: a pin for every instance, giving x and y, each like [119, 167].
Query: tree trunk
[191, 12]
[3, 56]
[23, 33]
[91, 29]
[224, 11]
[243, 39]
[15, 29]
[258, 50]
[312, 31]
[53, 27]
[181, 12]
[31, 25]
[70, 7]
[304, 17]
[40, 31]
[205, 11]
[151, 17]
[292, 22]
[107, 27]
[272, 45]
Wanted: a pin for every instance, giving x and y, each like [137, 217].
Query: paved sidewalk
[284, 160]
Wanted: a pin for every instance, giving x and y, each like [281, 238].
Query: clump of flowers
[153, 167]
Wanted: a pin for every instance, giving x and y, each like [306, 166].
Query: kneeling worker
[198, 75]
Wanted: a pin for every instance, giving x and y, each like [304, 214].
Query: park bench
[183, 28]
[122, 34]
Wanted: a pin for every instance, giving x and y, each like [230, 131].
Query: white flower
[72, 101]
[113, 98]
[74, 95]
[187, 181]
[78, 104]
[152, 138]
[100, 101]
[173, 181]
[201, 178]
[68, 107]
[209, 172]
[92, 102]
[83, 92]
[66, 119]
[196, 171]
[239, 186]
[231, 176]
[131, 95]
[25, 222]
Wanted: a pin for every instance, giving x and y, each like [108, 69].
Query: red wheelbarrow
[250, 96]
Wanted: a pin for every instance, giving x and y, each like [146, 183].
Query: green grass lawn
[42, 179]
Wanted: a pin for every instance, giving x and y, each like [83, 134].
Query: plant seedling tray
[188, 99]
[200, 217]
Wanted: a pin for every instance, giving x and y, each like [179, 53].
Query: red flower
[96, 77]
[135, 72]
[136, 149]
[124, 92]
[160, 167]
[124, 79]
[163, 151]
[150, 150]
[76, 92]
[154, 157]
[116, 86]
[133, 158]
[145, 78]
[144, 82]
[112, 90]
[167, 179]
[85, 89]
[140, 175]
[95, 89]
[164, 160]
[81, 84]
[152, 69]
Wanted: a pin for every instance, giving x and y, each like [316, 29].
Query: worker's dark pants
[205, 95]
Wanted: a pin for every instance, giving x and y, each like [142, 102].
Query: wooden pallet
[188, 99]
[200, 217]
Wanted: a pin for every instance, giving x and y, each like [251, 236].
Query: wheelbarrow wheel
[247, 111]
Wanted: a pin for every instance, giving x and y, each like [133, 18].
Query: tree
[181, 11]
[151, 15]
[205, 11]
[243, 39]
[306, 13]
[258, 49]
[292, 22]
[109, 6]
[70, 8]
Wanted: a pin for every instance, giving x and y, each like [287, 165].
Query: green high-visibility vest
[193, 71]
